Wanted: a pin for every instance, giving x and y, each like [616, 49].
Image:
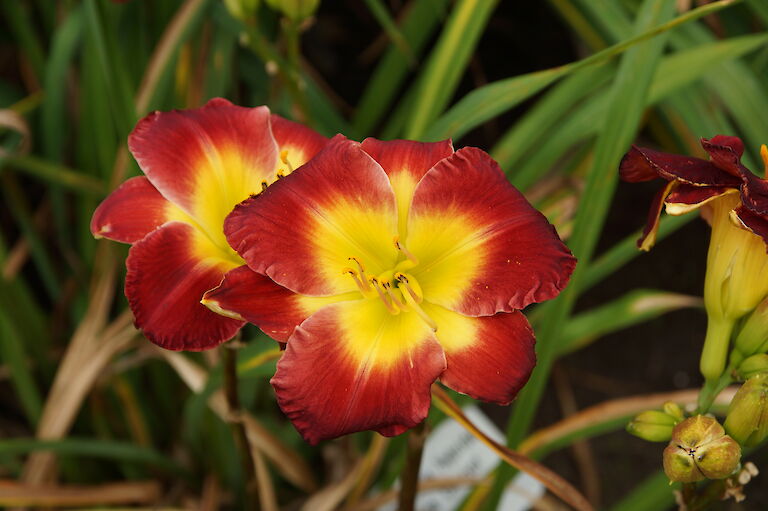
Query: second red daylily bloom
[198, 165]
[735, 203]
[386, 266]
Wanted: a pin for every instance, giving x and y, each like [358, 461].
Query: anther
[284, 159]
[764, 156]
[408, 255]
[402, 279]
[365, 287]
[280, 174]
[264, 185]
[384, 298]
[393, 296]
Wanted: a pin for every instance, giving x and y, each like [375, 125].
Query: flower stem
[715, 350]
[410, 476]
[238, 427]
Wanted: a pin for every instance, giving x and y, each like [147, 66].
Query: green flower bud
[753, 337]
[752, 366]
[674, 410]
[652, 425]
[700, 449]
[747, 419]
[244, 10]
[296, 10]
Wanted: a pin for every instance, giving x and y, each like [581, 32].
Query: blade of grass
[547, 112]
[56, 174]
[418, 25]
[653, 493]
[628, 96]
[15, 357]
[495, 98]
[19, 23]
[380, 12]
[96, 448]
[445, 67]
[635, 307]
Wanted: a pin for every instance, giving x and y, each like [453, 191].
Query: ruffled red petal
[130, 212]
[413, 158]
[489, 357]
[643, 164]
[333, 379]
[167, 276]
[303, 229]
[482, 248]
[754, 193]
[300, 142]
[725, 152]
[648, 238]
[206, 158]
[753, 222]
[245, 294]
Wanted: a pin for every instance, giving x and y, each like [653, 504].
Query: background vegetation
[556, 91]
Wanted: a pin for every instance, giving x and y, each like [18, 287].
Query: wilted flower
[198, 164]
[736, 205]
[401, 262]
[700, 449]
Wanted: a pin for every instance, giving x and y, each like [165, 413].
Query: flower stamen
[408, 255]
[362, 285]
[400, 304]
[413, 299]
[391, 307]
[764, 156]
[284, 159]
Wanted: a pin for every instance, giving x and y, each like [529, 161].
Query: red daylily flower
[198, 165]
[386, 266]
[736, 205]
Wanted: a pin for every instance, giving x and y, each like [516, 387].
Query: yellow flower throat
[398, 290]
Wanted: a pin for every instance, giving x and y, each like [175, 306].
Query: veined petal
[303, 229]
[299, 142]
[482, 247]
[405, 162]
[208, 159]
[134, 209]
[353, 366]
[725, 152]
[648, 238]
[169, 270]
[250, 296]
[488, 358]
[643, 164]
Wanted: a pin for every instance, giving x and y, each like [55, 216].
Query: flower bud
[753, 337]
[700, 449]
[652, 425]
[747, 419]
[296, 10]
[735, 282]
[752, 366]
[674, 410]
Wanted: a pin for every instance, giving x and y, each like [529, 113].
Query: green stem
[238, 428]
[410, 476]
[715, 350]
[712, 388]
